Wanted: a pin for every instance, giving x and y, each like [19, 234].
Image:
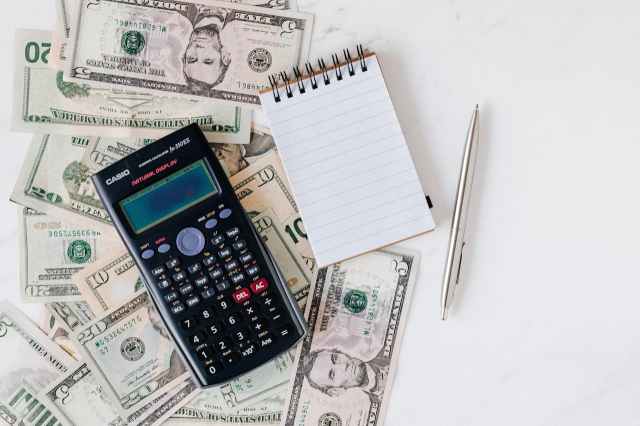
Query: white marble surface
[547, 329]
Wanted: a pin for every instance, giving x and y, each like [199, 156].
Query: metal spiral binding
[311, 73]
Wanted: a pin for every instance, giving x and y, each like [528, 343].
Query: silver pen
[463, 195]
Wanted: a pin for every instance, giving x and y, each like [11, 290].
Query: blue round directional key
[190, 241]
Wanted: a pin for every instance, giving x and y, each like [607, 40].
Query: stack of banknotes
[112, 76]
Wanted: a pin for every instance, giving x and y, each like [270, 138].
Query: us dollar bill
[44, 102]
[70, 315]
[109, 283]
[79, 399]
[204, 410]
[30, 360]
[131, 353]
[345, 365]
[214, 50]
[102, 152]
[52, 250]
[295, 272]
[54, 180]
[263, 185]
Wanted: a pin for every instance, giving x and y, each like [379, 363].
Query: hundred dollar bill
[45, 103]
[345, 365]
[131, 353]
[211, 49]
[109, 283]
[263, 185]
[291, 264]
[52, 250]
[54, 180]
[29, 361]
[204, 410]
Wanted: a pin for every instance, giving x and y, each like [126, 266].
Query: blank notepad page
[348, 163]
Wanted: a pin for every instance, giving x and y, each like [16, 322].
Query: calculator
[211, 278]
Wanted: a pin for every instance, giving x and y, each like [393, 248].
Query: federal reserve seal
[355, 301]
[259, 59]
[329, 419]
[79, 251]
[132, 42]
[132, 349]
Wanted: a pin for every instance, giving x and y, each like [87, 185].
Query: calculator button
[190, 241]
[277, 317]
[197, 339]
[170, 297]
[192, 269]
[222, 305]
[248, 350]
[213, 368]
[206, 314]
[179, 277]
[186, 289]
[252, 270]
[239, 245]
[172, 263]
[164, 248]
[217, 240]
[258, 286]
[224, 253]
[147, 254]
[233, 319]
[265, 340]
[209, 261]
[231, 265]
[213, 330]
[248, 309]
[222, 345]
[240, 336]
[201, 281]
[223, 285]
[284, 331]
[266, 301]
[230, 357]
[205, 354]
[192, 301]
[177, 307]
[241, 295]
[216, 273]
[208, 293]
[225, 214]
[158, 270]
[246, 258]
[210, 224]
[233, 232]
[162, 284]
[258, 326]
[237, 278]
[188, 323]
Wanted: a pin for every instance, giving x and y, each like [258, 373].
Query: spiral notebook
[346, 157]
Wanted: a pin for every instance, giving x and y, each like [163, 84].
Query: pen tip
[477, 107]
[443, 314]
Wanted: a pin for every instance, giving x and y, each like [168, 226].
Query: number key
[188, 323]
[206, 314]
[197, 339]
[213, 330]
[222, 305]
[233, 319]
[213, 368]
[240, 335]
[205, 354]
[222, 344]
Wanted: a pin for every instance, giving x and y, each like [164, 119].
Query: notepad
[346, 157]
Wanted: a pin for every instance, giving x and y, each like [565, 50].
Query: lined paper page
[348, 163]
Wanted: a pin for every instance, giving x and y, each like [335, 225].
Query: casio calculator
[215, 285]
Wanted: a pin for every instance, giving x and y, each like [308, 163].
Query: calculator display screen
[169, 196]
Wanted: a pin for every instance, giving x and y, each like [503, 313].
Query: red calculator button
[260, 285]
[241, 295]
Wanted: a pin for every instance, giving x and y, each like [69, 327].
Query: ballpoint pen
[456, 239]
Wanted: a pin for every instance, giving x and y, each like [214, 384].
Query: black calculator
[212, 280]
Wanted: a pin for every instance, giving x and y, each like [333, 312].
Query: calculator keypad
[218, 295]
